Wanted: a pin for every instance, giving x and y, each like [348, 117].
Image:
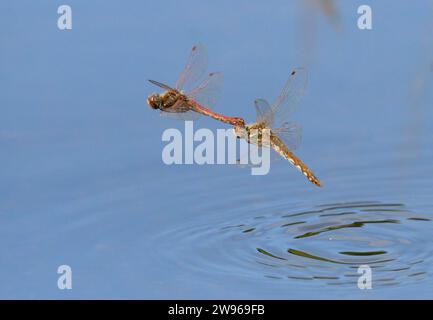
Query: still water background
[83, 184]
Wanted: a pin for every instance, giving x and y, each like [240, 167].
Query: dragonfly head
[154, 101]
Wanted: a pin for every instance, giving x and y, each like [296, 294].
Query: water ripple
[323, 244]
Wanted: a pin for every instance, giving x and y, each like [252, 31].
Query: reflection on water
[327, 7]
[308, 26]
[326, 244]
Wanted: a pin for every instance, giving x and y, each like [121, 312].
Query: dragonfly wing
[208, 92]
[289, 97]
[182, 111]
[188, 115]
[290, 133]
[264, 112]
[244, 159]
[194, 69]
[161, 85]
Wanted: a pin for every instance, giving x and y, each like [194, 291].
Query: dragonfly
[189, 104]
[282, 136]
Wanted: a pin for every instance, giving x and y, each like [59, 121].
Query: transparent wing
[182, 111]
[194, 69]
[290, 133]
[208, 92]
[244, 160]
[161, 85]
[264, 112]
[187, 115]
[289, 97]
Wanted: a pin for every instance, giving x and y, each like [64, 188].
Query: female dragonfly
[285, 137]
[189, 105]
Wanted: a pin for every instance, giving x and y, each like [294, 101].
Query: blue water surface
[83, 182]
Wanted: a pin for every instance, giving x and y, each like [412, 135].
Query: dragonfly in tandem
[280, 135]
[189, 104]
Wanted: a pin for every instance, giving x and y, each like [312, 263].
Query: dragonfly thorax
[255, 133]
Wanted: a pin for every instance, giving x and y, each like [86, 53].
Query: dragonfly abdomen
[204, 111]
[281, 149]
